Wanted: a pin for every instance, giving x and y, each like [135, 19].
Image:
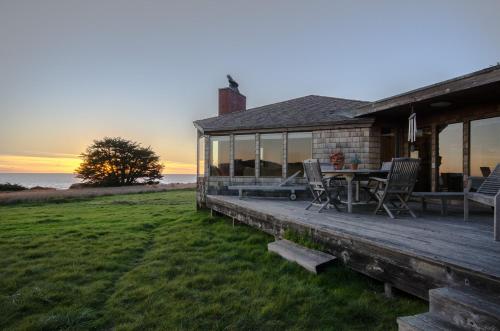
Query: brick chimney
[230, 98]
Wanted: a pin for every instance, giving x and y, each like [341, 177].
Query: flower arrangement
[337, 159]
[355, 161]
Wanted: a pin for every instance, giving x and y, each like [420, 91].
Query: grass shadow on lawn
[150, 261]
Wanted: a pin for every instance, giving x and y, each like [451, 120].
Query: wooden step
[466, 308]
[424, 322]
[310, 259]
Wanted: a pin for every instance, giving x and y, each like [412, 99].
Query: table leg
[357, 191]
[444, 206]
[349, 193]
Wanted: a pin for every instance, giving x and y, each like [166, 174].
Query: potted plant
[355, 161]
[337, 159]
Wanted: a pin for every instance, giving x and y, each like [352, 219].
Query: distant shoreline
[65, 180]
[64, 194]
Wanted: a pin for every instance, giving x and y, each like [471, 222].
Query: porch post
[466, 149]
[206, 141]
[231, 156]
[285, 155]
[257, 155]
[434, 158]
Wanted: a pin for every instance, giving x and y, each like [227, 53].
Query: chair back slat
[386, 166]
[485, 171]
[402, 175]
[491, 184]
[312, 170]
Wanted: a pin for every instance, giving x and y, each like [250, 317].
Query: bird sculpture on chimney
[232, 83]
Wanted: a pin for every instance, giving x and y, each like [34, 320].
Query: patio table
[349, 175]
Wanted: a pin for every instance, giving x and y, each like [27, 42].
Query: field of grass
[150, 261]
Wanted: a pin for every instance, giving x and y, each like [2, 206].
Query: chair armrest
[378, 179]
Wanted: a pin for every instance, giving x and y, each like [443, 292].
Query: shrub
[8, 187]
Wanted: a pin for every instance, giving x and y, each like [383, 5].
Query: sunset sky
[74, 71]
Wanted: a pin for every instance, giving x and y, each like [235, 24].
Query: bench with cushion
[442, 196]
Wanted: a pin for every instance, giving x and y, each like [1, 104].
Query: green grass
[150, 261]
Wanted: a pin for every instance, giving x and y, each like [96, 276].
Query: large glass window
[244, 155]
[299, 149]
[450, 159]
[201, 156]
[219, 155]
[271, 155]
[484, 145]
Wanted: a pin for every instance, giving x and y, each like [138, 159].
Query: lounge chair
[397, 187]
[324, 195]
[284, 186]
[487, 194]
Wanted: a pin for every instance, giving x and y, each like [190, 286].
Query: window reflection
[450, 159]
[244, 155]
[271, 155]
[484, 145]
[219, 156]
[299, 149]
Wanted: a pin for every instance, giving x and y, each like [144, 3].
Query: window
[450, 159]
[299, 149]
[484, 145]
[244, 155]
[219, 160]
[201, 156]
[271, 155]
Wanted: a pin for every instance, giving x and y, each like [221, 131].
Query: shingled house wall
[363, 142]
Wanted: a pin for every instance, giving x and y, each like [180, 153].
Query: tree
[118, 162]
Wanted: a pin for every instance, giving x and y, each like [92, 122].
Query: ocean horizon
[65, 180]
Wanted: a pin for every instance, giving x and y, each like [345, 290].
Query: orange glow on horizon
[68, 164]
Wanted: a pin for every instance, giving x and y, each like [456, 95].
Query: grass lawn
[150, 261]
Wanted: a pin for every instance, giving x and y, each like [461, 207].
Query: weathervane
[232, 83]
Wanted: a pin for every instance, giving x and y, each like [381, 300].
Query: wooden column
[207, 156]
[197, 153]
[231, 156]
[257, 155]
[434, 158]
[285, 155]
[466, 149]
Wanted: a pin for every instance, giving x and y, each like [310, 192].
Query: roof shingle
[311, 110]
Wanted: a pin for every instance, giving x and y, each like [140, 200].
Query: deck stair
[456, 309]
[312, 260]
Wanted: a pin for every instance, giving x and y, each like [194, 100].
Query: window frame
[254, 155]
[211, 156]
[288, 173]
[282, 134]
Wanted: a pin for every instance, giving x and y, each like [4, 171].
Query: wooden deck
[414, 255]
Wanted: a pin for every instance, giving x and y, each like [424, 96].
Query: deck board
[441, 239]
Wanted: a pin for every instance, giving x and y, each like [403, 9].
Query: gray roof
[445, 89]
[308, 111]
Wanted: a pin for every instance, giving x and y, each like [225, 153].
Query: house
[439, 258]
[458, 122]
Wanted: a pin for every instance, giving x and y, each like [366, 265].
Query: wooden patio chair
[370, 186]
[396, 189]
[487, 194]
[324, 195]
